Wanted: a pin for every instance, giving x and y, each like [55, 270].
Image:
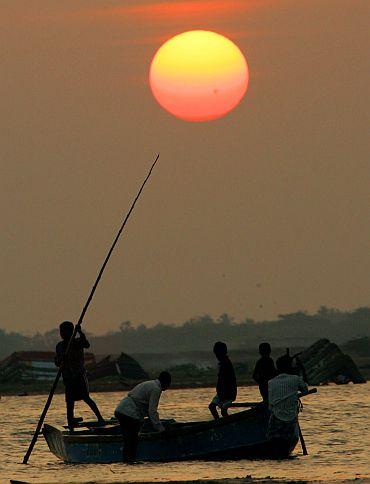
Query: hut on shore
[124, 366]
[32, 366]
[324, 362]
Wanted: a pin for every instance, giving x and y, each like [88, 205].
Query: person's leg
[224, 410]
[123, 427]
[264, 392]
[127, 452]
[70, 413]
[90, 402]
[213, 409]
[135, 438]
[130, 431]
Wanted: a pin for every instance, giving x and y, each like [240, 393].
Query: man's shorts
[76, 388]
[221, 403]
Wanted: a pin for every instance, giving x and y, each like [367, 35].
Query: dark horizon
[198, 334]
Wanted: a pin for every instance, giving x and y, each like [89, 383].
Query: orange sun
[199, 75]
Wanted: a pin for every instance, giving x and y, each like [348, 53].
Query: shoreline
[233, 480]
[33, 389]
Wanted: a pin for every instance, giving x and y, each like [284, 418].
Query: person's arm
[302, 385]
[232, 387]
[269, 395]
[58, 356]
[301, 368]
[221, 382]
[256, 373]
[153, 409]
[82, 340]
[273, 369]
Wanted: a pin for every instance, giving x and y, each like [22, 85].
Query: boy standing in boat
[283, 400]
[226, 382]
[73, 371]
[264, 370]
[142, 401]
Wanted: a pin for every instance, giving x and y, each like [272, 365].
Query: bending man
[283, 401]
[142, 401]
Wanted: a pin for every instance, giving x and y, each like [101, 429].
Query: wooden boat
[238, 436]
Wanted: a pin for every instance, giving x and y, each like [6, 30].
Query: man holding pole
[73, 371]
[82, 315]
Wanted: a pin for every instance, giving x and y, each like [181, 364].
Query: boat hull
[239, 436]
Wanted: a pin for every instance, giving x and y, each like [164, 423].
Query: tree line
[199, 333]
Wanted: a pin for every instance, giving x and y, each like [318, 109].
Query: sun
[199, 75]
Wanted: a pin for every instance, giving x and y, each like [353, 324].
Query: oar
[243, 405]
[80, 319]
[301, 439]
[314, 390]
[300, 395]
[255, 404]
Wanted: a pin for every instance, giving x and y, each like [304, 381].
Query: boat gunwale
[89, 436]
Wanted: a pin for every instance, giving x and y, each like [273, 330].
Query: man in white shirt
[283, 400]
[142, 401]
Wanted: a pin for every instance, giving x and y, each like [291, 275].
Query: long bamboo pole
[80, 319]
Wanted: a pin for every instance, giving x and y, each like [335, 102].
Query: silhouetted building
[123, 365]
[32, 365]
[325, 362]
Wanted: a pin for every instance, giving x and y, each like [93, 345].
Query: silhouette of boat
[239, 436]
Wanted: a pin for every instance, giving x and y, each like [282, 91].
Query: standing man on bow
[73, 371]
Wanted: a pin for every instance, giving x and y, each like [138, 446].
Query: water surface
[335, 423]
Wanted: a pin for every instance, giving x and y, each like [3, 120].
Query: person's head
[220, 350]
[66, 329]
[264, 349]
[165, 380]
[284, 364]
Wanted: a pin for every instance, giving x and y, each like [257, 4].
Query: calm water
[335, 423]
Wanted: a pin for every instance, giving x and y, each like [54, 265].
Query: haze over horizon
[265, 211]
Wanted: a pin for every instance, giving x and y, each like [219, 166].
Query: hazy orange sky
[269, 206]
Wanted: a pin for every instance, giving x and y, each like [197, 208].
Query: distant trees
[199, 333]
[8, 341]
[358, 346]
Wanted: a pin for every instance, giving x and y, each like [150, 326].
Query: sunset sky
[262, 212]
